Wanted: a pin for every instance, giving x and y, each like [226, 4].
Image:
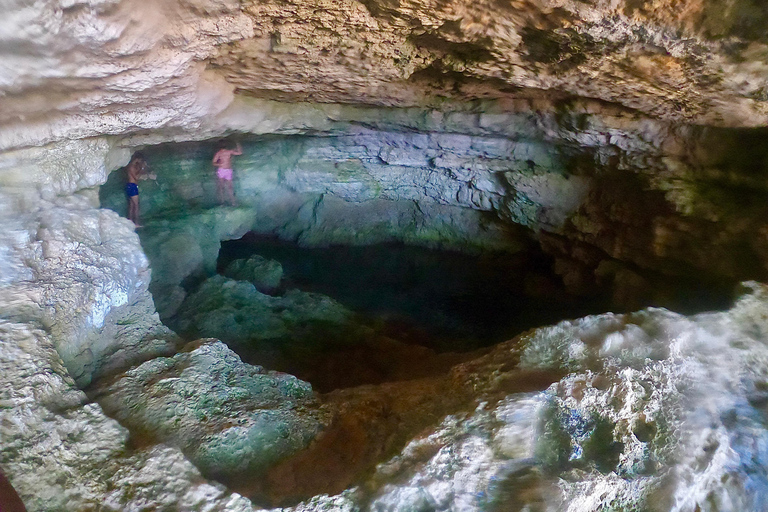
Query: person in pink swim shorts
[224, 174]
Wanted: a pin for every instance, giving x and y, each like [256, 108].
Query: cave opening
[482, 256]
[386, 246]
[403, 299]
[377, 267]
[445, 300]
[455, 304]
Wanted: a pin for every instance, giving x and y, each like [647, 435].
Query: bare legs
[220, 190]
[133, 210]
[225, 192]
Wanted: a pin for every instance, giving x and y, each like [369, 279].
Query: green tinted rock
[263, 273]
[225, 415]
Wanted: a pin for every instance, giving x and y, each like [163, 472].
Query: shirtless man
[223, 162]
[136, 170]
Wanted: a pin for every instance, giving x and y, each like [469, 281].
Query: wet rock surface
[228, 417]
[247, 316]
[306, 334]
[650, 411]
[264, 274]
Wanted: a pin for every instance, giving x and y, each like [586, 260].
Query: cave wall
[74, 305]
[85, 82]
[623, 202]
[86, 68]
[79, 273]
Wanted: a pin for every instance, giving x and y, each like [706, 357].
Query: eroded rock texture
[112, 67]
[621, 202]
[75, 306]
[603, 131]
[245, 419]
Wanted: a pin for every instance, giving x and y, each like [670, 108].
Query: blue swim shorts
[131, 189]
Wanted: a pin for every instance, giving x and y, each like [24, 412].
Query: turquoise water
[455, 301]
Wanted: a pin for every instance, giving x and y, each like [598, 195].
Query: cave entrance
[352, 307]
[446, 300]
[352, 315]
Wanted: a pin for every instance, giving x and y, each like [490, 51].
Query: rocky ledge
[621, 137]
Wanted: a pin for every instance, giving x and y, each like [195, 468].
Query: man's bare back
[223, 157]
[136, 170]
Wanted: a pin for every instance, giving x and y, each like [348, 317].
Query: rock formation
[621, 137]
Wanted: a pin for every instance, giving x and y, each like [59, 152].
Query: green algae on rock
[243, 315]
[230, 418]
[264, 274]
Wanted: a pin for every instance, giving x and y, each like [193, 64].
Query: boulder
[229, 418]
[263, 273]
[243, 316]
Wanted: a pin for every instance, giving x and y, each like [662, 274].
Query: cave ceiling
[72, 69]
[603, 129]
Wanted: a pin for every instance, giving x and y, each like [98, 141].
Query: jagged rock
[595, 192]
[619, 190]
[264, 274]
[465, 462]
[74, 283]
[85, 277]
[159, 53]
[185, 247]
[62, 453]
[246, 317]
[653, 412]
[180, 67]
[231, 419]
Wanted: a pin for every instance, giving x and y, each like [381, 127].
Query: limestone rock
[174, 66]
[118, 52]
[231, 419]
[597, 187]
[62, 453]
[459, 463]
[184, 247]
[615, 187]
[645, 400]
[87, 278]
[264, 274]
[135, 486]
[244, 316]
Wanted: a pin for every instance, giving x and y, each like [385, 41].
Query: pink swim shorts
[224, 174]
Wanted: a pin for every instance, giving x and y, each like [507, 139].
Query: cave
[480, 256]
[415, 238]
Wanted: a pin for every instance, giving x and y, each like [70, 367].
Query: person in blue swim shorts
[136, 170]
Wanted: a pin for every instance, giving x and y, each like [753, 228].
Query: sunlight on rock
[374, 256]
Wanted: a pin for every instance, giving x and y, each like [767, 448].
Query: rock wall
[618, 191]
[76, 276]
[74, 69]
[621, 201]
[75, 305]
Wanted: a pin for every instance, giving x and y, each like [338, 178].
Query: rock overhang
[125, 67]
[190, 70]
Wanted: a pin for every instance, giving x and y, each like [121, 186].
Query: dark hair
[139, 160]
[225, 143]
[137, 156]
